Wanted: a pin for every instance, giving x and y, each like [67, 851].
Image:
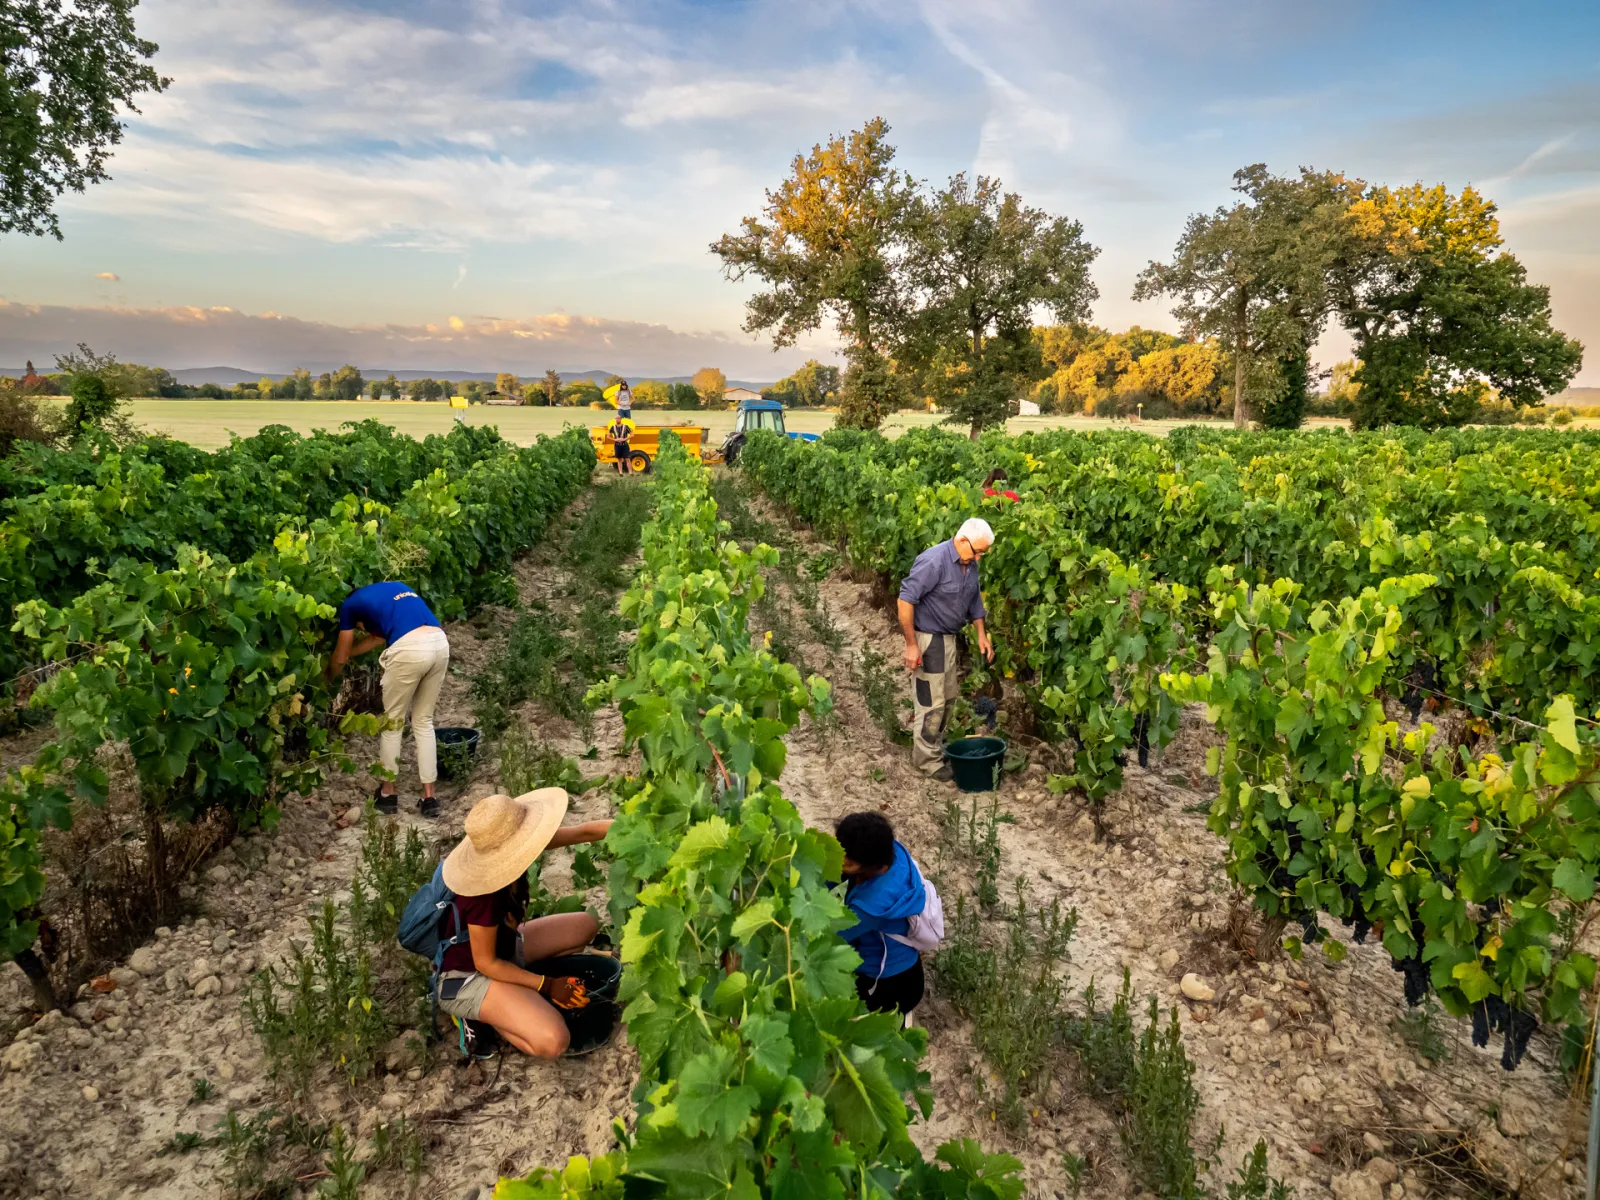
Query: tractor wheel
[639, 463]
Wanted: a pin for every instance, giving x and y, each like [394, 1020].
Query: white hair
[976, 529]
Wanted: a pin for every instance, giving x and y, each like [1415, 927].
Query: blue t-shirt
[390, 610]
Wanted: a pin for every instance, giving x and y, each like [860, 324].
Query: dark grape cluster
[1492, 1014]
[1141, 737]
[1313, 930]
[1423, 678]
[985, 707]
[1357, 923]
[1418, 981]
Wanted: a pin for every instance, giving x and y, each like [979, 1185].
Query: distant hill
[234, 376]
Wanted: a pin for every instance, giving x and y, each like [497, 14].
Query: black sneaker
[388, 805]
[477, 1039]
[428, 806]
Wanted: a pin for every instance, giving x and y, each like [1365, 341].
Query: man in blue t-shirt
[414, 667]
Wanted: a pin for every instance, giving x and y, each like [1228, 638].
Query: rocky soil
[1304, 1054]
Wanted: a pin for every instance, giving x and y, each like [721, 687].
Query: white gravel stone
[143, 960]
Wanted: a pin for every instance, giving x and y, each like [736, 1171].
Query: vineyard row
[1469, 843]
[760, 1072]
[209, 671]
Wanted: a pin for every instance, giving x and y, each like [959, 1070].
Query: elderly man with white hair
[939, 598]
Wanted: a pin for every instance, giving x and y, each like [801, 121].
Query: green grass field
[208, 423]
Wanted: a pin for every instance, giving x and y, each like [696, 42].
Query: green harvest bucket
[457, 747]
[975, 761]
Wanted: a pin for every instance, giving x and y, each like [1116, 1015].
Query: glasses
[976, 552]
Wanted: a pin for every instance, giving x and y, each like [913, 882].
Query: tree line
[935, 293]
[123, 381]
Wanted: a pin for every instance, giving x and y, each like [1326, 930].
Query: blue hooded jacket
[884, 905]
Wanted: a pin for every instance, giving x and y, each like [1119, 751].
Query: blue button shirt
[390, 610]
[944, 591]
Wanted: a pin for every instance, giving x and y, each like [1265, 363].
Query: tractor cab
[753, 415]
[759, 414]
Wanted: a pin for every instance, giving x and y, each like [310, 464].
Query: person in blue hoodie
[884, 892]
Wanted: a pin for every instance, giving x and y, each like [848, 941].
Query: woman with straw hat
[485, 978]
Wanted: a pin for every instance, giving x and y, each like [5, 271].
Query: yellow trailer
[645, 443]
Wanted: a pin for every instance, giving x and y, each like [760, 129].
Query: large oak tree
[1253, 274]
[1440, 314]
[980, 266]
[827, 246]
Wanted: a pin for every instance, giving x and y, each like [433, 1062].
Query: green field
[208, 423]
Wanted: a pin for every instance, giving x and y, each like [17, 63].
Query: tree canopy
[979, 266]
[1441, 316]
[1253, 275]
[65, 72]
[712, 387]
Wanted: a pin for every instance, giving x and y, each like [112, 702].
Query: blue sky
[459, 184]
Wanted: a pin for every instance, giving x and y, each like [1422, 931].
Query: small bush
[324, 1012]
[1013, 993]
[1161, 1107]
[883, 691]
[390, 873]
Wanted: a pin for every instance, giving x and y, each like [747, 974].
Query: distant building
[495, 397]
[1027, 408]
[737, 395]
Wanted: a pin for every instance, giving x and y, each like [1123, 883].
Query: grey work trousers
[936, 688]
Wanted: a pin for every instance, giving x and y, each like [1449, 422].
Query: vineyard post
[1593, 1159]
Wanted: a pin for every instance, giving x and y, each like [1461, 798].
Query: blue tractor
[753, 415]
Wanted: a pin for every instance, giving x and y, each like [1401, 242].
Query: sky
[512, 185]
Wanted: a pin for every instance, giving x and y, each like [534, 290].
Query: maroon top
[490, 910]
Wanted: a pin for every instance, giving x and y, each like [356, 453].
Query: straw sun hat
[504, 836]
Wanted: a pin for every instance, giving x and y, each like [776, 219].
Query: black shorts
[893, 993]
[621, 449]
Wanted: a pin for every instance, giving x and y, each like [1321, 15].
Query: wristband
[543, 979]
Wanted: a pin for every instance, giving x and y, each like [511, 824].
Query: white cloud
[191, 336]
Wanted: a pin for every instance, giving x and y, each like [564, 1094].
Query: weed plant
[526, 763]
[1161, 1107]
[1422, 1028]
[528, 666]
[396, 1145]
[1014, 994]
[975, 836]
[1254, 1183]
[391, 870]
[325, 1011]
[608, 534]
[882, 690]
[345, 1171]
[1149, 1079]
[250, 1146]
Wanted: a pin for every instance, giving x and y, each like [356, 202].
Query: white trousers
[413, 673]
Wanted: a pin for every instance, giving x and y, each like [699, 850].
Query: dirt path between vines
[1303, 1054]
[90, 1099]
